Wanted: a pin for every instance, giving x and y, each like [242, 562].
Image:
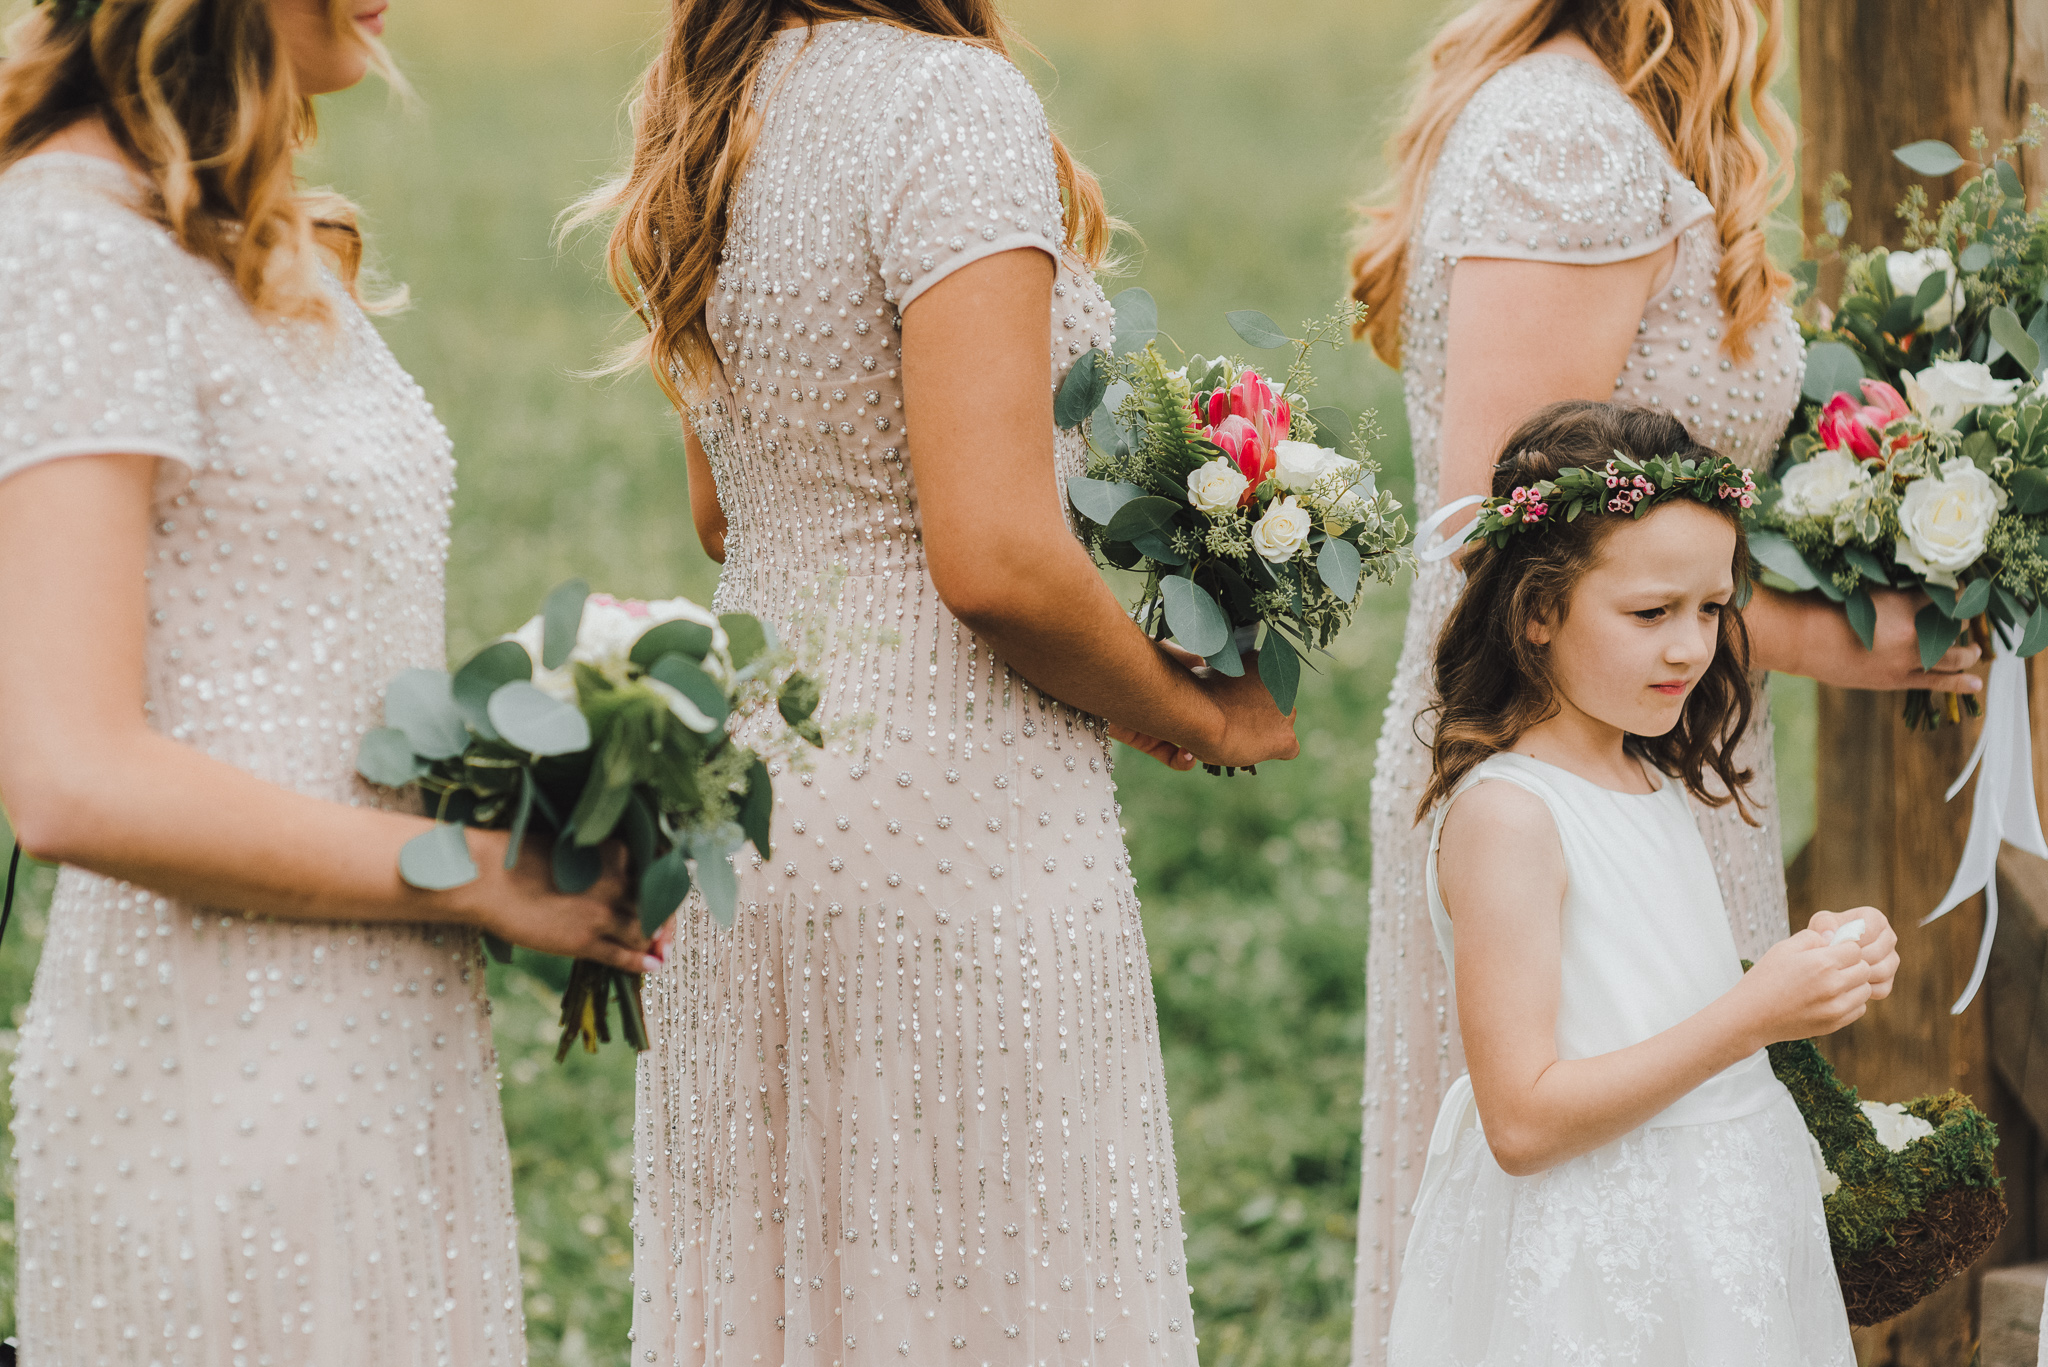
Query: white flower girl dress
[1696, 1240]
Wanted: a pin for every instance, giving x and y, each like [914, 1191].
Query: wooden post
[1874, 75]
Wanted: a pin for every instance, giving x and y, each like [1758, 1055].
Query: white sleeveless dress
[1548, 162]
[1696, 1240]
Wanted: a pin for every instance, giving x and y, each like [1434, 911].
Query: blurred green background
[1232, 139]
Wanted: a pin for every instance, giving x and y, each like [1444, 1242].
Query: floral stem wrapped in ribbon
[599, 720]
[1252, 529]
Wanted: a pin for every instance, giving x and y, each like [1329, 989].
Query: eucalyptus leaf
[576, 867]
[2029, 486]
[662, 890]
[1972, 259]
[1831, 368]
[2010, 334]
[1140, 516]
[1981, 449]
[1229, 660]
[693, 683]
[561, 618]
[385, 758]
[2036, 634]
[1137, 321]
[1775, 553]
[1867, 565]
[489, 669]
[536, 723]
[637, 829]
[2009, 180]
[1194, 617]
[437, 860]
[1280, 671]
[1899, 317]
[1333, 425]
[1937, 632]
[421, 703]
[1862, 616]
[1942, 597]
[1975, 597]
[1930, 292]
[1081, 391]
[745, 636]
[719, 884]
[1098, 499]
[522, 813]
[1256, 328]
[691, 640]
[798, 699]
[2038, 330]
[757, 808]
[1154, 546]
[1339, 565]
[1929, 157]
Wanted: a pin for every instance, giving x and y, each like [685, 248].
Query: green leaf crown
[1623, 485]
[79, 10]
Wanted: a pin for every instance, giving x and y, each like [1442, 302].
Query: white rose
[1299, 464]
[1217, 486]
[1909, 270]
[606, 636]
[1282, 531]
[1946, 390]
[1814, 487]
[1947, 520]
[1895, 1128]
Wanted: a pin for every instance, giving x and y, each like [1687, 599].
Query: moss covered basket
[1901, 1223]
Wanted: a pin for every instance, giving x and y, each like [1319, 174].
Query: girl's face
[1645, 620]
[327, 56]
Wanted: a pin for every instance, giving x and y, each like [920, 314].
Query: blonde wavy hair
[201, 95]
[1688, 65]
[694, 125]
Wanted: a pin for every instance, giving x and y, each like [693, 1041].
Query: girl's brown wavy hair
[1689, 66]
[201, 95]
[1493, 683]
[694, 125]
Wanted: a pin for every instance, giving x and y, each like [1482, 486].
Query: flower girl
[1619, 1179]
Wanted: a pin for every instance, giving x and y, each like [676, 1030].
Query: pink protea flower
[1846, 425]
[1249, 421]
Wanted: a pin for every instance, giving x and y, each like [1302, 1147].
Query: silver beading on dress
[1548, 161]
[244, 1141]
[910, 1107]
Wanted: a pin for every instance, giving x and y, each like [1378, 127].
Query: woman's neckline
[1650, 775]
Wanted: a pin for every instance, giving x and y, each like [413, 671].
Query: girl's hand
[1880, 943]
[1806, 987]
[1166, 752]
[664, 939]
[1253, 729]
[522, 906]
[1806, 634]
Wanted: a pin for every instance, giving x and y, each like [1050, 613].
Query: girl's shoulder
[76, 222]
[1549, 161]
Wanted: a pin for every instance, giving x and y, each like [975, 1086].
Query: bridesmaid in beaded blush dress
[256, 1106]
[1554, 234]
[909, 1108]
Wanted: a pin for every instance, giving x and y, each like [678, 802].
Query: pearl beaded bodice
[239, 1140]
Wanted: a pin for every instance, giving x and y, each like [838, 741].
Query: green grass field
[1232, 144]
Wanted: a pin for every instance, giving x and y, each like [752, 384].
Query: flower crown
[71, 9]
[1623, 485]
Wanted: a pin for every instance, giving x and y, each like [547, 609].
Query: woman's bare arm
[87, 782]
[705, 509]
[977, 385]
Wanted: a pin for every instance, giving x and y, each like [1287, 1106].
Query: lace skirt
[1689, 1245]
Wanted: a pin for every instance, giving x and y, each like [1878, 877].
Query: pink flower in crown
[1846, 425]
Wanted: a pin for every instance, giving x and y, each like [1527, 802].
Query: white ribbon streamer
[2003, 809]
[1449, 546]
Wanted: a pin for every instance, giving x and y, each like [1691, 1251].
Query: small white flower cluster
[1317, 482]
[605, 639]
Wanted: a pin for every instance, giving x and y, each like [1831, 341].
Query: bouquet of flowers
[1921, 460]
[598, 720]
[1214, 481]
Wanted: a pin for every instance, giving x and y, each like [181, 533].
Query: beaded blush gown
[246, 1142]
[1548, 161]
[909, 1108]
